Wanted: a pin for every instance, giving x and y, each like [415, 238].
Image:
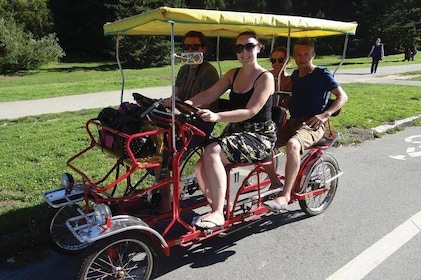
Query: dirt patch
[10, 78]
[354, 136]
[402, 77]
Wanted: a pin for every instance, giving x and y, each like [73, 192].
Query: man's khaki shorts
[298, 129]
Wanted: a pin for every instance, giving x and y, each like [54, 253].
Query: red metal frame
[185, 132]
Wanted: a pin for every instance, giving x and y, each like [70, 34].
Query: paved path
[384, 75]
[18, 109]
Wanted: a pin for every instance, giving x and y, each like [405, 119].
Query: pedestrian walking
[376, 53]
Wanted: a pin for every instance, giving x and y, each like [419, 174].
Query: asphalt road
[370, 231]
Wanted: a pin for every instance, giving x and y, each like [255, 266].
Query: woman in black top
[250, 134]
[377, 54]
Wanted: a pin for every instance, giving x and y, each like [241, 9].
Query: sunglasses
[193, 47]
[248, 47]
[280, 60]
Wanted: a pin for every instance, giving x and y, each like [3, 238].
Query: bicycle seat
[321, 142]
[327, 139]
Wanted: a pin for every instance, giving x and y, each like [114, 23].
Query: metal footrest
[59, 197]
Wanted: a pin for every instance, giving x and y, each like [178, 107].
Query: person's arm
[213, 93]
[341, 99]
[207, 78]
[382, 52]
[167, 102]
[263, 89]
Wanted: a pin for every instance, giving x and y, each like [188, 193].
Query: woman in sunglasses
[250, 134]
[278, 60]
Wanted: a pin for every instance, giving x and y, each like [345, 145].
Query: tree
[401, 26]
[78, 24]
[21, 51]
[33, 16]
[142, 51]
[25, 42]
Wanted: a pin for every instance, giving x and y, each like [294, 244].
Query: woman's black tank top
[240, 100]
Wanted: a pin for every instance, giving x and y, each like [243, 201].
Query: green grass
[67, 79]
[61, 79]
[415, 75]
[35, 149]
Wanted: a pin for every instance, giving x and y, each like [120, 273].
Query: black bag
[125, 119]
[279, 115]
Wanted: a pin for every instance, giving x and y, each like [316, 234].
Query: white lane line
[364, 263]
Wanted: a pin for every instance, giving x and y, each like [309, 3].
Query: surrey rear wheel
[322, 175]
[128, 255]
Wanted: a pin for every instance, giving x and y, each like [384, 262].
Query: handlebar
[154, 105]
[187, 116]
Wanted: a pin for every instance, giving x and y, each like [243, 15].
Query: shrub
[20, 51]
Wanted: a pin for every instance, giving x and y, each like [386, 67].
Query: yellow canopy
[225, 24]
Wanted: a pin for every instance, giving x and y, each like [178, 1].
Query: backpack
[127, 120]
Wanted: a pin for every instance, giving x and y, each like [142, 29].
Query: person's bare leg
[200, 173]
[165, 192]
[274, 180]
[165, 203]
[292, 167]
[216, 181]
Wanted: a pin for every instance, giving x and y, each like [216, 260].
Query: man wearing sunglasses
[192, 79]
[311, 88]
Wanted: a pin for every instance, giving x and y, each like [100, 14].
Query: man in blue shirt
[311, 87]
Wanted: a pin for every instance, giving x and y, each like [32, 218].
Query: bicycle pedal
[268, 193]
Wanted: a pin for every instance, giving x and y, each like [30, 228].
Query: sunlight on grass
[35, 149]
[60, 79]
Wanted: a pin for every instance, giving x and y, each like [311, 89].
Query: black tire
[128, 255]
[316, 177]
[57, 233]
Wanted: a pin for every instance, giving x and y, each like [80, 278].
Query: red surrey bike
[82, 213]
[111, 217]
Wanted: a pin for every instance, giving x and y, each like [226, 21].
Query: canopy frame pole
[218, 61]
[278, 84]
[278, 89]
[117, 55]
[173, 77]
[272, 45]
[343, 53]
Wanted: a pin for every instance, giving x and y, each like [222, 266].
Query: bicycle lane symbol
[414, 150]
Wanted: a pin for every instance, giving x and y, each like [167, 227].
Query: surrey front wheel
[59, 236]
[128, 255]
[323, 175]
